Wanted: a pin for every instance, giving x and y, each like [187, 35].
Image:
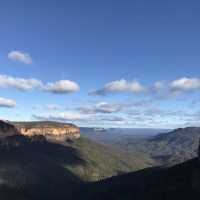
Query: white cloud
[59, 87]
[62, 87]
[63, 116]
[120, 86]
[160, 89]
[20, 57]
[103, 107]
[185, 84]
[173, 89]
[9, 103]
[108, 108]
[18, 83]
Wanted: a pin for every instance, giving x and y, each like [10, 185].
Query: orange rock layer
[49, 130]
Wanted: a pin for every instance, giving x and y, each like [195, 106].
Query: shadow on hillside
[35, 168]
[179, 182]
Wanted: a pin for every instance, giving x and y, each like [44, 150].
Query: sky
[107, 63]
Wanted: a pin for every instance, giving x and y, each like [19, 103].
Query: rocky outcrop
[50, 130]
[7, 129]
[55, 131]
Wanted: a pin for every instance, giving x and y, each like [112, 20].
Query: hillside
[102, 161]
[167, 148]
[33, 168]
[113, 135]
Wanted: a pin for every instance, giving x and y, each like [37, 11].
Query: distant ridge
[33, 168]
[167, 148]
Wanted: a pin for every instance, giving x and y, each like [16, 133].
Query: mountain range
[33, 167]
[168, 148]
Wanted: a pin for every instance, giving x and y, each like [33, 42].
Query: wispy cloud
[112, 119]
[8, 103]
[49, 107]
[20, 56]
[143, 117]
[102, 107]
[119, 86]
[61, 116]
[19, 83]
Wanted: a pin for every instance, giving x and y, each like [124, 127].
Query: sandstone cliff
[50, 130]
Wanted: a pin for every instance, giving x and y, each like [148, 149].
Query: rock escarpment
[199, 153]
[7, 129]
[50, 130]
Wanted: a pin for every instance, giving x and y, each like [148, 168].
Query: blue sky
[108, 63]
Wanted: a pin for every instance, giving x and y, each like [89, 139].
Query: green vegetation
[166, 149]
[102, 161]
[32, 168]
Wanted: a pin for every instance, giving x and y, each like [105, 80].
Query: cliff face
[50, 130]
[59, 133]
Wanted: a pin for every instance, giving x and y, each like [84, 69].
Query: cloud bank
[162, 88]
[59, 87]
